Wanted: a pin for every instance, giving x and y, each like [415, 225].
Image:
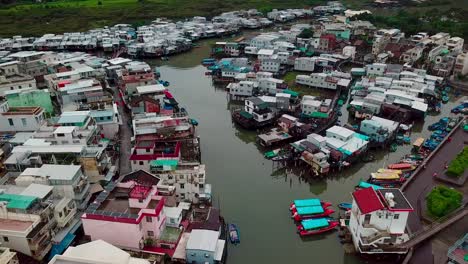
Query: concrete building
[242, 89]
[138, 215]
[322, 80]
[378, 221]
[84, 91]
[20, 119]
[304, 64]
[24, 225]
[204, 246]
[29, 98]
[461, 64]
[310, 105]
[97, 251]
[7, 256]
[188, 179]
[16, 82]
[378, 129]
[68, 181]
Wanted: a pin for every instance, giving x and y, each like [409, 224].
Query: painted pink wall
[119, 234]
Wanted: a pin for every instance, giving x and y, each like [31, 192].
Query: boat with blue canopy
[302, 213]
[308, 202]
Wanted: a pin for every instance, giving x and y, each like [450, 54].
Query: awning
[246, 114]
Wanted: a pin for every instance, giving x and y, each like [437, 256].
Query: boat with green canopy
[308, 202]
[316, 226]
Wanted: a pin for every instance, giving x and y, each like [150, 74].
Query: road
[423, 183]
[125, 135]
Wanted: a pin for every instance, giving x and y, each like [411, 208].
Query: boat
[389, 171]
[390, 176]
[316, 226]
[234, 236]
[393, 147]
[208, 61]
[302, 213]
[308, 203]
[363, 185]
[400, 166]
[345, 206]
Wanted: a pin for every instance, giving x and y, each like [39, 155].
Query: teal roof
[246, 114]
[309, 210]
[363, 184]
[16, 201]
[307, 202]
[314, 223]
[101, 113]
[164, 162]
[361, 136]
[318, 115]
[72, 118]
[292, 93]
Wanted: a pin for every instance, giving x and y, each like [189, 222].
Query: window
[207, 256]
[150, 233]
[200, 185]
[23, 121]
[141, 162]
[134, 162]
[5, 239]
[148, 150]
[60, 134]
[149, 219]
[10, 121]
[396, 216]
[11, 88]
[182, 186]
[60, 214]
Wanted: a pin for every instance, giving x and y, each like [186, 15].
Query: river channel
[246, 187]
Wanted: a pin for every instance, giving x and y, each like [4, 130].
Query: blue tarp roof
[314, 223]
[309, 210]
[307, 202]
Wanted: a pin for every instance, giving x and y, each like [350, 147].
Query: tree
[306, 33]
[99, 3]
[443, 200]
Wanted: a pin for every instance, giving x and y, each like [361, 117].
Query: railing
[372, 239]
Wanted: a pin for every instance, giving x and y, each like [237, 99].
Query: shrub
[458, 165]
[443, 200]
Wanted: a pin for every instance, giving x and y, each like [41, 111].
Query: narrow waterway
[249, 191]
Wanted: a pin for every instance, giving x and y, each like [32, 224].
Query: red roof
[367, 200]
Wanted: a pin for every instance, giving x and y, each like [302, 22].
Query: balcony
[372, 239]
[62, 222]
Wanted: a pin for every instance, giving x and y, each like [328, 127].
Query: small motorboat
[308, 203]
[234, 236]
[302, 213]
[345, 206]
[363, 185]
[445, 98]
[316, 226]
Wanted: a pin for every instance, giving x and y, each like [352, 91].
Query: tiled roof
[367, 200]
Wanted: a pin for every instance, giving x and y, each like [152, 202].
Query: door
[367, 219]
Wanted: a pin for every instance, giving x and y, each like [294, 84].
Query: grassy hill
[33, 19]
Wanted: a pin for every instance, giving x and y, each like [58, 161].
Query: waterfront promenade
[423, 182]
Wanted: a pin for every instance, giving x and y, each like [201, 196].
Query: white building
[310, 105]
[455, 44]
[20, 119]
[188, 179]
[304, 64]
[204, 246]
[15, 82]
[461, 64]
[270, 85]
[378, 221]
[349, 51]
[68, 181]
[272, 64]
[322, 80]
[7, 256]
[97, 251]
[242, 88]
[376, 69]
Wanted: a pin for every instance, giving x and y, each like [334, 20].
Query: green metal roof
[314, 223]
[292, 93]
[309, 210]
[16, 201]
[164, 162]
[318, 115]
[246, 114]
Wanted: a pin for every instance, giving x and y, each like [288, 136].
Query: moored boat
[234, 236]
[345, 206]
[363, 185]
[316, 226]
[302, 213]
[308, 203]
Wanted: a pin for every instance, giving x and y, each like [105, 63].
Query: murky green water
[247, 187]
